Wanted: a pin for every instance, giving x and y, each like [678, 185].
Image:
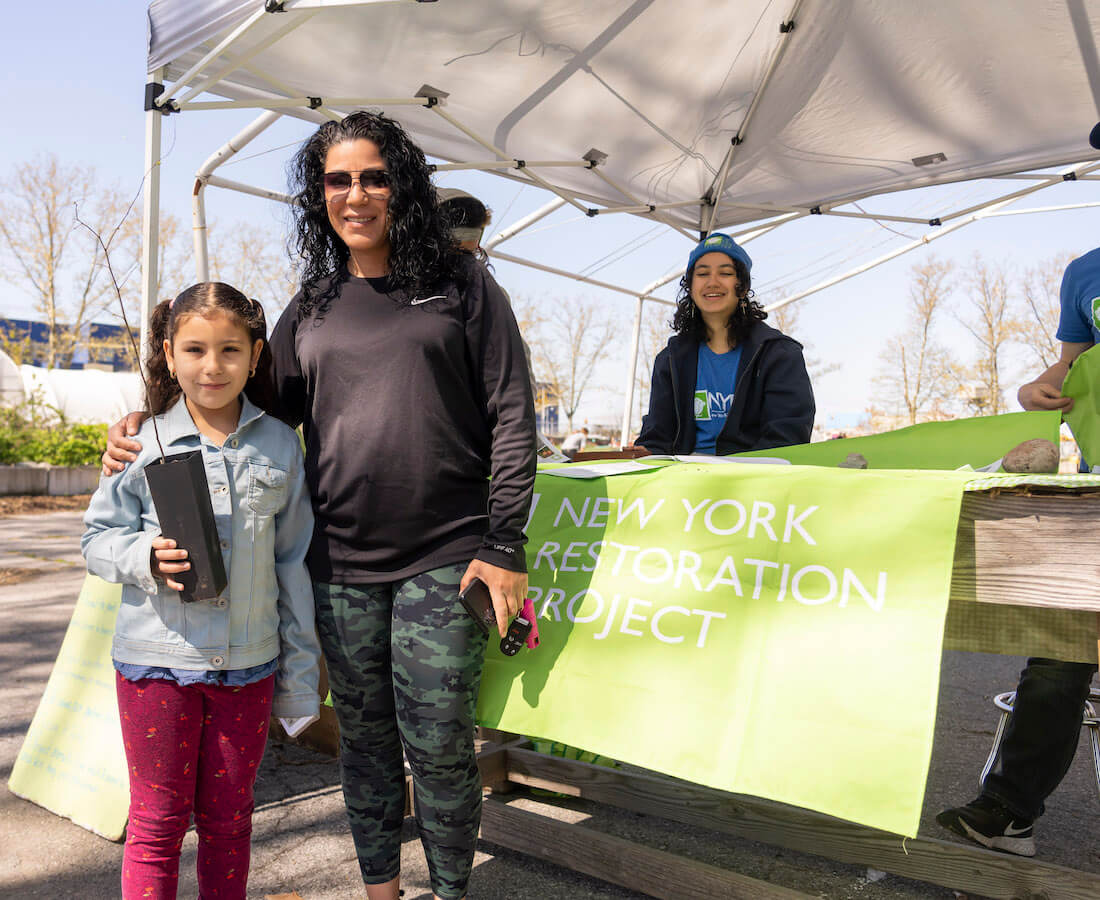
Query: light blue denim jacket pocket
[265, 524]
[267, 488]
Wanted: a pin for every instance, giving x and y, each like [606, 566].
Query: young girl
[198, 682]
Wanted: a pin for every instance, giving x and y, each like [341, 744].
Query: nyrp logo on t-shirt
[1095, 312]
[712, 405]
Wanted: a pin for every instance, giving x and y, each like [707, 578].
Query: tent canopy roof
[684, 98]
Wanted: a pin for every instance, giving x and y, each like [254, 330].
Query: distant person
[1043, 730]
[726, 382]
[197, 683]
[468, 218]
[575, 442]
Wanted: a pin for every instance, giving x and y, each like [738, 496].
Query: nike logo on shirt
[427, 299]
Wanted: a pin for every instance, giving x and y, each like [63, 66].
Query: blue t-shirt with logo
[1079, 322]
[715, 377]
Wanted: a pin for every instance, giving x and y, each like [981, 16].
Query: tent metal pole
[537, 179]
[150, 217]
[275, 36]
[202, 177]
[912, 245]
[1040, 209]
[607, 179]
[489, 165]
[719, 184]
[635, 342]
[526, 222]
[241, 187]
[224, 44]
[308, 102]
[530, 264]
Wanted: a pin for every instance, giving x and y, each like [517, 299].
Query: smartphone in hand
[479, 604]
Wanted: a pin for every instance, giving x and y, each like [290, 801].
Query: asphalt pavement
[301, 841]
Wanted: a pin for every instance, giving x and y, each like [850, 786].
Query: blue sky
[73, 80]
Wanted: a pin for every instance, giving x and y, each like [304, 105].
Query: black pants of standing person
[1042, 734]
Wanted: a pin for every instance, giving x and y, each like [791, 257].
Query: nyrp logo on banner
[676, 569]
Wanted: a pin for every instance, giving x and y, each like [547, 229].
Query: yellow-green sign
[72, 761]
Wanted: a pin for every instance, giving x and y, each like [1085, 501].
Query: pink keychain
[529, 614]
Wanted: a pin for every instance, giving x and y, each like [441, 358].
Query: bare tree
[786, 320]
[568, 346]
[992, 326]
[45, 254]
[655, 333]
[1040, 310]
[916, 375]
[252, 259]
[58, 262]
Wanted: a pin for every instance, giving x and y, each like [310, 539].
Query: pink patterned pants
[193, 749]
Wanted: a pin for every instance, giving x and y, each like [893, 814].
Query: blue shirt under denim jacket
[265, 524]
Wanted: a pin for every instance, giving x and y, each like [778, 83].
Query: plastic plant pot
[182, 500]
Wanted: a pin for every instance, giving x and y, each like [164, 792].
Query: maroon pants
[190, 749]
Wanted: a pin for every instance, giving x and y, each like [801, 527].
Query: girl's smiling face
[714, 286]
[212, 357]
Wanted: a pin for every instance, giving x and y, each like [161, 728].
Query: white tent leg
[150, 218]
[624, 437]
[198, 203]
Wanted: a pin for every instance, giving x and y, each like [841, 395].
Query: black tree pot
[182, 500]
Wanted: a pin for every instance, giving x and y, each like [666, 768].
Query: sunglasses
[372, 181]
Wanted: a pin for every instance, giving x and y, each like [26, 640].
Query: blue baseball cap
[720, 243]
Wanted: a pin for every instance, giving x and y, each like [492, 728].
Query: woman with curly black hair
[401, 358]
[726, 382]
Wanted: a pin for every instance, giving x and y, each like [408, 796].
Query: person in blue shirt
[726, 382]
[1041, 737]
[198, 682]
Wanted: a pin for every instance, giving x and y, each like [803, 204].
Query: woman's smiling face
[360, 217]
[714, 285]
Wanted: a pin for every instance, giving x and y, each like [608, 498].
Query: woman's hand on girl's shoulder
[121, 451]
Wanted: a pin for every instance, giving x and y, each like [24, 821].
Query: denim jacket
[265, 524]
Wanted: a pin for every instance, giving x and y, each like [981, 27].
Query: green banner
[973, 442]
[72, 761]
[1084, 418]
[766, 629]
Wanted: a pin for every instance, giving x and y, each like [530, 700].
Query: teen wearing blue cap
[726, 382]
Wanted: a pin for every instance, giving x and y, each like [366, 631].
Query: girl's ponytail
[161, 388]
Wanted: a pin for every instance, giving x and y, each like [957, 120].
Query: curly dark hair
[422, 251]
[205, 299]
[687, 320]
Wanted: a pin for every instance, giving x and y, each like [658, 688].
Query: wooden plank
[959, 866]
[647, 870]
[1003, 551]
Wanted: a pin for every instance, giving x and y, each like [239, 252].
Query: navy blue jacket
[773, 403]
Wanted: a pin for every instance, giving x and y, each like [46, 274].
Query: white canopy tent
[700, 115]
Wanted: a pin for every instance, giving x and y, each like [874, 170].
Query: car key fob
[516, 636]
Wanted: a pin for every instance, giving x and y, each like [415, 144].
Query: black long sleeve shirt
[407, 410]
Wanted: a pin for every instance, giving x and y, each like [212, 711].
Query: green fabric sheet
[766, 629]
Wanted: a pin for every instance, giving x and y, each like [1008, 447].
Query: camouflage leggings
[404, 663]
